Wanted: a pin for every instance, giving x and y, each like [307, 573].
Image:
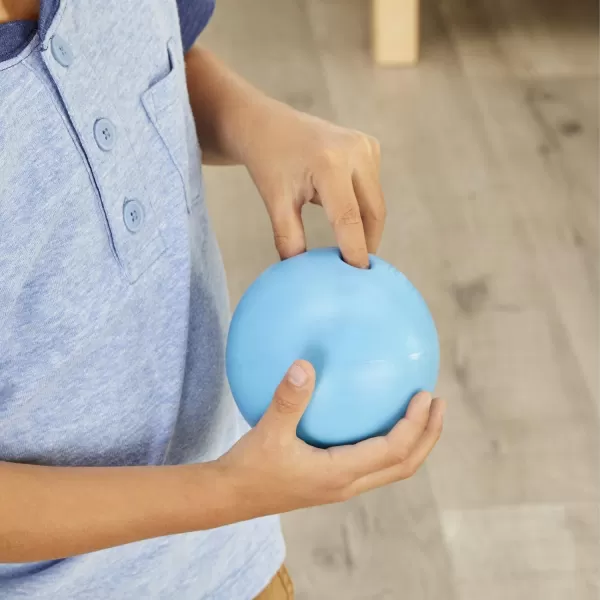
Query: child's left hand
[295, 158]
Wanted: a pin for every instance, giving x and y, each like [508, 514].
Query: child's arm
[53, 512]
[293, 158]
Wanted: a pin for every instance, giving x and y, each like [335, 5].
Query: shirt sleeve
[194, 15]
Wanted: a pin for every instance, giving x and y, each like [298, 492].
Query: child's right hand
[272, 471]
[49, 512]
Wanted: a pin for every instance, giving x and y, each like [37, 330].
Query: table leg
[395, 31]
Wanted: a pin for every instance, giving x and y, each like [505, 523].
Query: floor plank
[528, 551]
[545, 38]
[490, 154]
[376, 546]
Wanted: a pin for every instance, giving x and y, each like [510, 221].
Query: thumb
[291, 399]
[288, 229]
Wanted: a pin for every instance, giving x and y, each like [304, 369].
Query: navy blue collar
[14, 36]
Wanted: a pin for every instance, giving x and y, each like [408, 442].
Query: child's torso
[112, 293]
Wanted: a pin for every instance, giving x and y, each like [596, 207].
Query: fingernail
[297, 376]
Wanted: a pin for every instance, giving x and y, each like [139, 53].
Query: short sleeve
[194, 15]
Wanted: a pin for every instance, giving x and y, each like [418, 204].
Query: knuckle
[375, 147]
[346, 493]
[339, 481]
[287, 245]
[281, 241]
[348, 215]
[399, 454]
[379, 213]
[359, 142]
[367, 145]
[330, 159]
[285, 402]
[410, 471]
[338, 488]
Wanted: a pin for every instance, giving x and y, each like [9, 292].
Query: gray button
[133, 215]
[61, 51]
[105, 134]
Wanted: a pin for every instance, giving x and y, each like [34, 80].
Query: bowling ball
[367, 332]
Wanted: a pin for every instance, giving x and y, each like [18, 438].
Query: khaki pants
[280, 588]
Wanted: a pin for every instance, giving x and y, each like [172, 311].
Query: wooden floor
[490, 168]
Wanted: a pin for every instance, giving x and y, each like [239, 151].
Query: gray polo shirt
[113, 300]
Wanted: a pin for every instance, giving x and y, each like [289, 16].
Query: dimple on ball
[367, 332]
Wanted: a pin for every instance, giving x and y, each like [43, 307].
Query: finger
[409, 467]
[288, 229]
[430, 437]
[337, 195]
[407, 432]
[371, 205]
[378, 453]
[290, 400]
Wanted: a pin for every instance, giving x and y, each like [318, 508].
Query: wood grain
[490, 170]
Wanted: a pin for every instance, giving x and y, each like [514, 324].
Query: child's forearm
[227, 109]
[54, 512]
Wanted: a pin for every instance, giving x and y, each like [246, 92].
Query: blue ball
[368, 334]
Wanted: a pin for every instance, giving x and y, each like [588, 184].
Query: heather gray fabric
[14, 36]
[113, 320]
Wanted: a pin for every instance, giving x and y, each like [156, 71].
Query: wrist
[243, 490]
[206, 497]
[244, 122]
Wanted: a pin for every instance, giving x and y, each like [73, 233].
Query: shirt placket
[103, 135]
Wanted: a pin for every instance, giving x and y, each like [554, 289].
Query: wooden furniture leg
[395, 31]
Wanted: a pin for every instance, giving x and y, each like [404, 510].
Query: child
[126, 470]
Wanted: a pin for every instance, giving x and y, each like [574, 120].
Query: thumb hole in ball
[352, 266]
